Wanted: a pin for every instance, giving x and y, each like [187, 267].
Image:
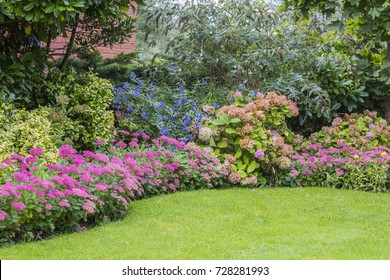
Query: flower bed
[89, 188]
[343, 167]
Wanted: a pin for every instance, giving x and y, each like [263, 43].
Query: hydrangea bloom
[259, 154]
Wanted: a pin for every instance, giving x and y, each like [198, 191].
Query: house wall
[58, 46]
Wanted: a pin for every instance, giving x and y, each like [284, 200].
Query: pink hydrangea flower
[48, 207]
[259, 154]
[101, 157]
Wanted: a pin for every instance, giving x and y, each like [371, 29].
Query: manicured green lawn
[279, 223]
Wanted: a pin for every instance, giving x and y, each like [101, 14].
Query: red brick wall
[58, 46]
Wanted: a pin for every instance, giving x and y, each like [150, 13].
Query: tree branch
[71, 43]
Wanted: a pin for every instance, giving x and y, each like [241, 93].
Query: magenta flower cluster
[334, 167]
[89, 187]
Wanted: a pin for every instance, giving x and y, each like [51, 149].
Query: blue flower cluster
[159, 109]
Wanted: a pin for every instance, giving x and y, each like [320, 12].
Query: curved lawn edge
[278, 223]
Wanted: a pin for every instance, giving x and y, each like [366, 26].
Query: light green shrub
[81, 106]
[22, 130]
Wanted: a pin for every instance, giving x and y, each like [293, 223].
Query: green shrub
[361, 131]
[81, 106]
[252, 136]
[116, 69]
[22, 130]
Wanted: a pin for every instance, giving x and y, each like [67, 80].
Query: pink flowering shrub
[362, 131]
[88, 188]
[343, 167]
[252, 137]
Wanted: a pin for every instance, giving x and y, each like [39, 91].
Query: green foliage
[373, 17]
[361, 131]
[370, 20]
[247, 43]
[22, 130]
[252, 136]
[81, 102]
[116, 69]
[29, 26]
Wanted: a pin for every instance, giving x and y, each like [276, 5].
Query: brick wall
[58, 46]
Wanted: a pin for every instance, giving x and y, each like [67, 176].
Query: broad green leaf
[212, 142]
[252, 167]
[246, 159]
[49, 9]
[242, 174]
[222, 144]
[355, 2]
[374, 12]
[224, 118]
[29, 7]
[235, 120]
[238, 153]
[29, 16]
[262, 180]
[230, 130]
[218, 122]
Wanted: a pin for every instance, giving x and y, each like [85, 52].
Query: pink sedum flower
[64, 203]
[121, 144]
[18, 205]
[66, 151]
[3, 214]
[35, 152]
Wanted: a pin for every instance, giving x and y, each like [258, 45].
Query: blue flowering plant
[158, 108]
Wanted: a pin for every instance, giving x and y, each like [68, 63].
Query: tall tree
[27, 28]
[372, 18]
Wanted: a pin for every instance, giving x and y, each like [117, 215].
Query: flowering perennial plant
[251, 135]
[343, 167]
[158, 109]
[362, 131]
[87, 188]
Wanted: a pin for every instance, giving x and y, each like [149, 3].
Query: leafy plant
[81, 102]
[160, 108]
[252, 136]
[343, 167]
[22, 130]
[361, 131]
